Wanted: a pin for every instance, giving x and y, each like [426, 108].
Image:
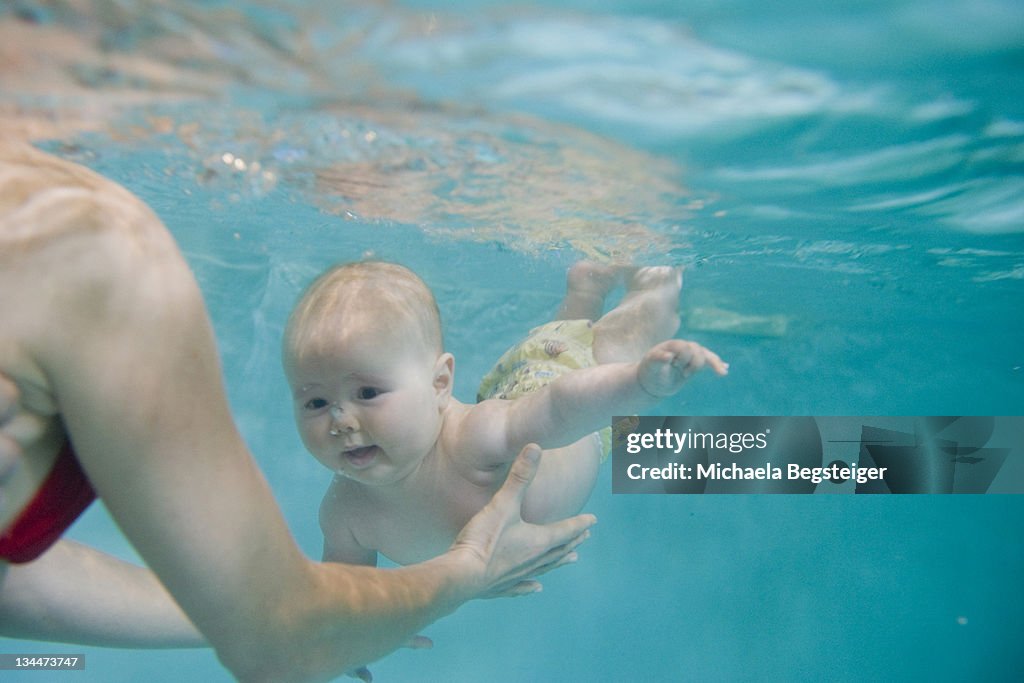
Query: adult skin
[108, 343]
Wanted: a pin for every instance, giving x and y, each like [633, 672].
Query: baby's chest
[419, 526]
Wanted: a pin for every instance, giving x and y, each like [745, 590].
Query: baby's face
[366, 405]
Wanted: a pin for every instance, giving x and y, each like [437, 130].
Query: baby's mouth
[360, 457]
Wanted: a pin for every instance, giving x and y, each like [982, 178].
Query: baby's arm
[583, 401]
[340, 545]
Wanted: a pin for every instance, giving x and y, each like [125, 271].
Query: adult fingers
[10, 451]
[523, 470]
[516, 590]
[568, 533]
[8, 399]
[561, 539]
[553, 560]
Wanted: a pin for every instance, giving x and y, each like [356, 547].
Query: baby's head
[364, 297]
[369, 377]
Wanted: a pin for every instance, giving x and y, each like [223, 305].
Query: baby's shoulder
[473, 438]
[470, 465]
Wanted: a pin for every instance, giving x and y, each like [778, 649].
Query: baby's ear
[444, 378]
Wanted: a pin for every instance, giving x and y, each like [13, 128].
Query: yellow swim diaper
[549, 351]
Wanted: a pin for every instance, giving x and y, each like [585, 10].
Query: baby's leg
[648, 314]
[587, 285]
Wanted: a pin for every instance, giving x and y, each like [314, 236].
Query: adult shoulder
[80, 255]
[46, 201]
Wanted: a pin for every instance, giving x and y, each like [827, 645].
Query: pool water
[846, 179]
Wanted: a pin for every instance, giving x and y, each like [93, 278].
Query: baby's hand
[668, 365]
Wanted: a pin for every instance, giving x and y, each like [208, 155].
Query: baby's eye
[368, 393]
[315, 404]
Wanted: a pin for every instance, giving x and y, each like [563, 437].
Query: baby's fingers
[362, 673]
[717, 364]
[693, 357]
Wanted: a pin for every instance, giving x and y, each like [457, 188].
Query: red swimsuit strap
[62, 498]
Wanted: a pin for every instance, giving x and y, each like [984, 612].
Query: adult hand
[10, 451]
[510, 551]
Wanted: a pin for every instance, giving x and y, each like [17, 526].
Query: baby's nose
[342, 421]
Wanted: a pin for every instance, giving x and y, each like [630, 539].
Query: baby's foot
[595, 279]
[656, 277]
[647, 314]
[587, 285]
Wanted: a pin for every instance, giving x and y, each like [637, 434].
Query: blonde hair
[360, 293]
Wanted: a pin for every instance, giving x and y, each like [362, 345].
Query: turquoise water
[847, 177]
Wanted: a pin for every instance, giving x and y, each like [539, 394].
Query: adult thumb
[524, 469]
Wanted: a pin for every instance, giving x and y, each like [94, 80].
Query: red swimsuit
[63, 496]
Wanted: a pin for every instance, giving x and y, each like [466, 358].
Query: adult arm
[75, 594]
[131, 357]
